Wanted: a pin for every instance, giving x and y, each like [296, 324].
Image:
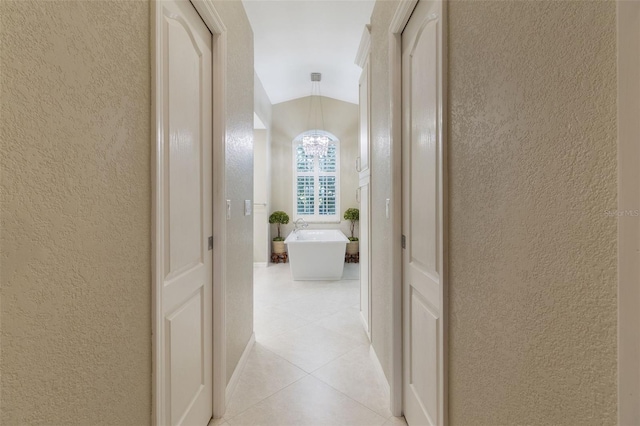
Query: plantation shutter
[317, 184]
[327, 182]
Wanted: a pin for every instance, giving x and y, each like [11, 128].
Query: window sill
[318, 222]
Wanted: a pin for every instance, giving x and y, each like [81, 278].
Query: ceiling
[293, 38]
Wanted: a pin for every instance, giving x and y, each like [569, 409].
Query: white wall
[261, 103]
[261, 173]
[260, 196]
[239, 179]
[289, 120]
[381, 188]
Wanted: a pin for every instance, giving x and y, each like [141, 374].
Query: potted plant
[279, 218]
[352, 215]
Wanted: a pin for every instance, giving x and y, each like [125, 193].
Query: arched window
[316, 181]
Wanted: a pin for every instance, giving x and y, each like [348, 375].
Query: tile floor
[310, 364]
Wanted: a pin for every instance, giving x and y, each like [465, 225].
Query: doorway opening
[309, 334]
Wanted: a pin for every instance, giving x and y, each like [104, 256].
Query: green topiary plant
[281, 218]
[353, 215]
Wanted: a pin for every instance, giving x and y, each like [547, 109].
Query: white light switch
[228, 209]
[387, 207]
[247, 207]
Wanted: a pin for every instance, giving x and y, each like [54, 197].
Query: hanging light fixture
[315, 142]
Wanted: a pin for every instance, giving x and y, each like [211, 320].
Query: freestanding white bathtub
[316, 254]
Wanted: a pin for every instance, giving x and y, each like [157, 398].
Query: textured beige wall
[628, 16]
[289, 120]
[533, 169]
[239, 175]
[532, 156]
[76, 284]
[381, 189]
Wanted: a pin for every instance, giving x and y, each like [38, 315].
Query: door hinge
[404, 242]
[210, 243]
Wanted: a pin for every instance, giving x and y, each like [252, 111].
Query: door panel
[184, 149]
[424, 150]
[424, 362]
[423, 212]
[186, 199]
[185, 343]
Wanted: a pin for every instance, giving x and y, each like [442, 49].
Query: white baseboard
[259, 264]
[380, 373]
[235, 377]
[365, 326]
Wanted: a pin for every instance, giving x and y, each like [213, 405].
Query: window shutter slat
[327, 196]
[328, 162]
[305, 195]
[304, 163]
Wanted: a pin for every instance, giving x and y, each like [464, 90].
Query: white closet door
[185, 194]
[423, 213]
[364, 192]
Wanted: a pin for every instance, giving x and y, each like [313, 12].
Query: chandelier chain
[316, 143]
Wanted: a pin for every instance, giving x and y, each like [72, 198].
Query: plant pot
[278, 247]
[353, 247]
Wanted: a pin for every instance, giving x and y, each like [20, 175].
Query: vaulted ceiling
[293, 38]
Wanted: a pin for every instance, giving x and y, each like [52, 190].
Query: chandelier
[314, 142]
[315, 145]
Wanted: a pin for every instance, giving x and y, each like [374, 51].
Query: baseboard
[235, 377]
[380, 373]
[365, 326]
[259, 264]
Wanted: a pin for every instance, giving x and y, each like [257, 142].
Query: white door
[423, 193]
[185, 194]
[364, 198]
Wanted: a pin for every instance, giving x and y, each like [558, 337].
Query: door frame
[398, 22]
[396, 27]
[363, 60]
[212, 20]
[628, 204]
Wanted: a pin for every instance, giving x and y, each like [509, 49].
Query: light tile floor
[310, 365]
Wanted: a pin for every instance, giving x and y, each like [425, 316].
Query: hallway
[310, 364]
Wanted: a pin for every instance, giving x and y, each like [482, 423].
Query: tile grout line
[357, 345]
[282, 358]
[269, 396]
[337, 332]
[357, 402]
[338, 390]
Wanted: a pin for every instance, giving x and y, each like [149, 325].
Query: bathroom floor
[310, 364]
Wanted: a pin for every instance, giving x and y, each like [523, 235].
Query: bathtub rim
[342, 239]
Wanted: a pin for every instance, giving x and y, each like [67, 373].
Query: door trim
[212, 20]
[363, 60]
[628, 205]
[399, 21]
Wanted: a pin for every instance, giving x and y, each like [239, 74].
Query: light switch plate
[247, 207]
[388, 204]
[228, 209]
